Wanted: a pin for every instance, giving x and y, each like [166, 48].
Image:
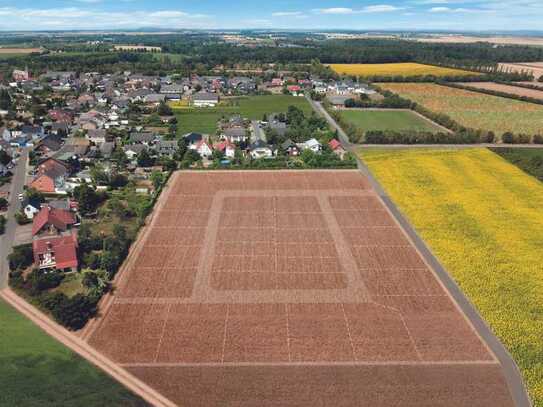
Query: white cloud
[78, 18]
[455, 10]
[287, 14]
[335, 10]
[379, 8]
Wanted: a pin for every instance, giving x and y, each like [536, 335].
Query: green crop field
[473, 109]
[204, 120]
[392, 120]
[482, 218]
[36, 370]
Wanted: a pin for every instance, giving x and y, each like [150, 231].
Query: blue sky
[293, 14]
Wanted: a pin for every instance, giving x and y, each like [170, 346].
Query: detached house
[51, 177]
[227, 148]
[203, 148]
[260, 149]
[205, 99]
[235, 134]
[52, 221]
[56, 253]
[337, 148]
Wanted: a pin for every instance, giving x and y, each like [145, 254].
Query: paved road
[6, 242]
[509, 367]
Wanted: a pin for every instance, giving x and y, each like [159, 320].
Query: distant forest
[189, 52]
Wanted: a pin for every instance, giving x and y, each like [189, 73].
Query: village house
[203, 148]
[313, 145]
[51, 177]
[337, 148]
[97, 136]
[227, 148]
[205, 99]
[259, 149]
[132, 150]
[166, 148]
[56, 253]
[191, 139]
[52, 221]
[290, 147]
[235, 134]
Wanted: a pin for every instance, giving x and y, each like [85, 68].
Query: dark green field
[391, 120]
[530, 160]
[204, 120]
[35, 370]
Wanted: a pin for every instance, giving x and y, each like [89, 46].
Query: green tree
[144, 159]
[157, 178]
[87, 199]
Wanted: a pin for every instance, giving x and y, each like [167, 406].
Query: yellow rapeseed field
[399, 69]
[482, 218]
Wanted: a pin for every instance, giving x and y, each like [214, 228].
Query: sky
[458, 15]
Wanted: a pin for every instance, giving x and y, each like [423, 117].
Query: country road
[509, 367]
[6, 242]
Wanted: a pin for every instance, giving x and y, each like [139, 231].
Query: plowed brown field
[290, 289]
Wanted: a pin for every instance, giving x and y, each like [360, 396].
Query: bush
[538, 139]
[71, 312]
[21, 257]
[508, 138]
[38, 281]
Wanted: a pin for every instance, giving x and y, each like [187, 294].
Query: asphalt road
[6, 242]
[509, 367]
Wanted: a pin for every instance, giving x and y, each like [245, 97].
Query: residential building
[56, 253]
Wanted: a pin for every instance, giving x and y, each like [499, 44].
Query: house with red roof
[203, 148]
[295, 90]
[337, 148]
[52, 221]
[226, 147]
[56, 252]
[51, 177]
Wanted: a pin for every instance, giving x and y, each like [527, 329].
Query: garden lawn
[204, 120]
[36, 370]
[397, 69]
[391, 120]
[473, 109]
[482, 218]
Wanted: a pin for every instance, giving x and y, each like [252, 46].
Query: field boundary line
[352, 363]
[83, 349]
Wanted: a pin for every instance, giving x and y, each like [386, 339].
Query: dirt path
[77, 345]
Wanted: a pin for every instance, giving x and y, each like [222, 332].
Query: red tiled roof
[63, 247]
[334, 144]
[59, 218]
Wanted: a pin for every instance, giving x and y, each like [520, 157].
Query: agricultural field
[535, 68]
[512, 90]
[391, 120]
[204, 120]
[35, 370]
[474, 109]
[399, 69]
[289, 288]
[482, 218]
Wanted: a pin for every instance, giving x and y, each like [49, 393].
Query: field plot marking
[417, 362]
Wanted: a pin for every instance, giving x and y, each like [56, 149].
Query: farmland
[289, 288]
[473, 109]
[204, 120]
[392, 120]
[481, 217]
[36, 370]
[512, 90]
[398, 69]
